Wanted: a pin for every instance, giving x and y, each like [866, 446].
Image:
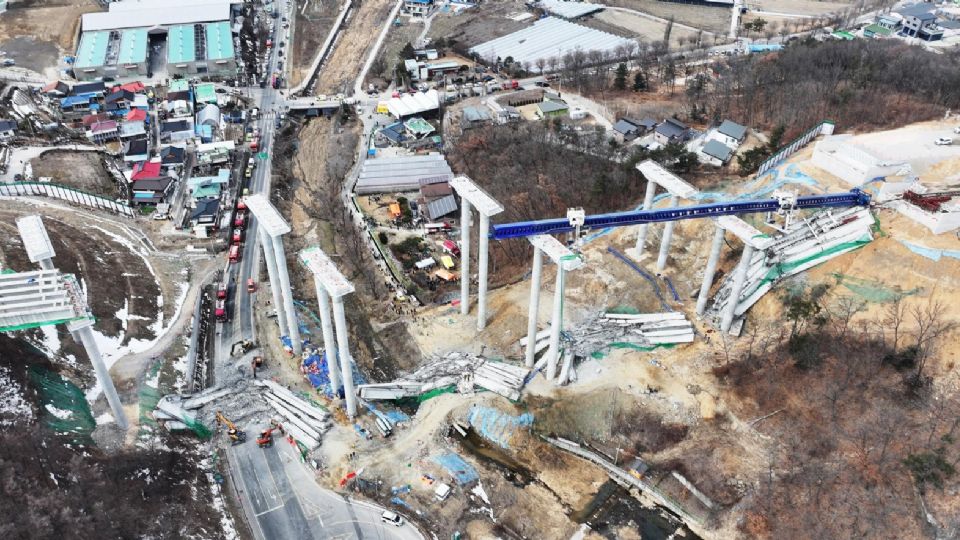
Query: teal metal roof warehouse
[118, 43]
[181, 44]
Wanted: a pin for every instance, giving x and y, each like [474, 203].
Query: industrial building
[137, 38]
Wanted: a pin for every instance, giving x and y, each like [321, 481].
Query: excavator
[236, 434]
[266, 436]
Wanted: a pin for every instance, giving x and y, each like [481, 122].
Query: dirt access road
[36, 33]
[359, 33]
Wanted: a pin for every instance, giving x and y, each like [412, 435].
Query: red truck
[451, 247]
[237, 236]
[220, 310]
[251, 285]
[240, 221]
[234, 253]
[222, 291]
[512, 85]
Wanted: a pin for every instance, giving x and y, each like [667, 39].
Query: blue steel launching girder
[621, 219]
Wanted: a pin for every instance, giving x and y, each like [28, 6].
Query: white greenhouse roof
[569, 10]
[547, 38]
[398, 174]
[408, 104]
[156, 16]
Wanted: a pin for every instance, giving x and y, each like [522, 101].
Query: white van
[391, 518]
[384, 427]
[442, 492]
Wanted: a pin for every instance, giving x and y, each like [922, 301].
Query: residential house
[92, 119]
[133, 129]
[121, 98]
[417, 127]
[438, 208]
[434, 187]
[176, 130]
[8, 130]
[94, 89]
[625, 130]
[473, 117]
[876, 31]
[551, 109]
[151, 190]
[74, 107]
[136, 151]
[145, 169]
[206, 213]
[671, 130]
[647, 124]
[715, 153]
[418, 7]
[920, 22]
[101, 132]
[890, 21]
[172, 156]
[136, 115]
[56, 89]
[730, 134]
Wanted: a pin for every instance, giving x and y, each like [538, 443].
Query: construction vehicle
[266, 436]
[244, 346]
[237, 435]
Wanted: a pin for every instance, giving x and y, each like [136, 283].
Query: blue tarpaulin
[461, 471]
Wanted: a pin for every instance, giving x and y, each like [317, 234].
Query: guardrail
[69, 194]
[790, 148]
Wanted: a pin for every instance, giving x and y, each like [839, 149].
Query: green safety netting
[70, 414]
[623, 310]
[437, 392]
[871, 290]
[627, 345]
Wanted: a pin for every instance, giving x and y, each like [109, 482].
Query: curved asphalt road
[279, 494]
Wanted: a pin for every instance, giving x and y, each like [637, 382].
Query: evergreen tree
[620, 80]
[640, 82]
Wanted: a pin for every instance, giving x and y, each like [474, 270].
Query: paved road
[279, 494]
[280, 491]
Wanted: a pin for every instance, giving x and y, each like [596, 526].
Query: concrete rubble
[642, 329]
[805, 244]
[464, 370]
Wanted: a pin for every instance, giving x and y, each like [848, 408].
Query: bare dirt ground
[81, 170]
[36, 33]
[799, 7]
[359, 33]
[711, 19]
[310, 31]
[469, 27]
[383, 68]
[680, 416]
[635, 26]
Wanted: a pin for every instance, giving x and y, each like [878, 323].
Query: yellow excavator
[236, 434]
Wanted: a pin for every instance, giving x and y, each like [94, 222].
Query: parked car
[944, 141]
[391, 518]
[957, 130]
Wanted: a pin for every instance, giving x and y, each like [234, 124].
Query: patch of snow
[479, 492]
[226, 522]
[62, 414]
[104, 418]
[51, 339]
[153, 382]
[14, 407]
